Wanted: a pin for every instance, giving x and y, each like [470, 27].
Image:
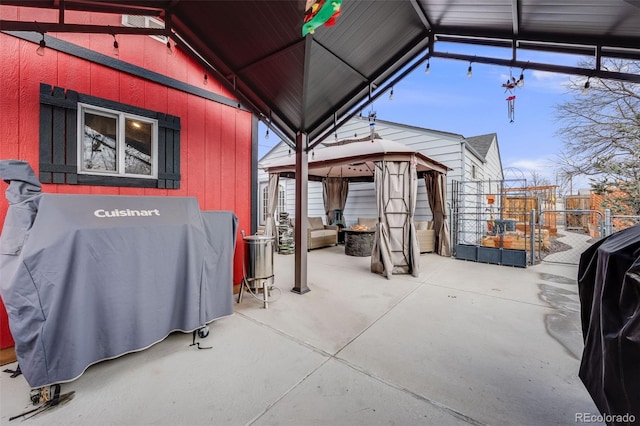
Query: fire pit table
[358, 242]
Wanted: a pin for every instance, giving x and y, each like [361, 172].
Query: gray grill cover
[89, 277]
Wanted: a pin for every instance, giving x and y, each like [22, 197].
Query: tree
[601, 135]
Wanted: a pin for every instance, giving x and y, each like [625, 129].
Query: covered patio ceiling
[310, 85]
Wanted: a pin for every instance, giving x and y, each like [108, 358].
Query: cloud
[547, 81]
[525, 166]
[419, 96]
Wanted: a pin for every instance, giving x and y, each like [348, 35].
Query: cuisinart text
[125, 213]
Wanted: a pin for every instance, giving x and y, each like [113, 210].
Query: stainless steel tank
[258, 259]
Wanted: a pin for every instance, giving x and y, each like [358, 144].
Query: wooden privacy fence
[519, 208]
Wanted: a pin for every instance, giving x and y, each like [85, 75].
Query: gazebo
[395, 169]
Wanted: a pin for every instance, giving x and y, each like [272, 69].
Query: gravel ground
[555, 246]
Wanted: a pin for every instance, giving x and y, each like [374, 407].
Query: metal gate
[574, 232]
[486, 217]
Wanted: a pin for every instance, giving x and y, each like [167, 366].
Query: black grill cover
[609, 288]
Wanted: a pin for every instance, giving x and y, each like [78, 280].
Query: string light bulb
[169, 50]
[391, 94]
[469, 71]
[116, 47]
[205, 80]
[587, 86]
[427, 70]
[41, 47]
[266, 135]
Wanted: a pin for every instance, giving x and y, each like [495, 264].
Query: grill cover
[90, 277]
[609, 288]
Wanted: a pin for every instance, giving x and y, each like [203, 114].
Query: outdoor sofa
[320, 235]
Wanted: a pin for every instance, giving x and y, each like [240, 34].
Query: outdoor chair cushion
[323, 233]
[426, 236]
[315, 223]
[319, 234]
[424, 225]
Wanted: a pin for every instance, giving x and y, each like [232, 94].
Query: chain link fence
[573, 233]
[620, 222]
[511, 223]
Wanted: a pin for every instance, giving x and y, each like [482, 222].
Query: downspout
[461, 195]
[254, 174]
[463, 155]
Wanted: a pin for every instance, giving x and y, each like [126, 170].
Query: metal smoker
[258, 266]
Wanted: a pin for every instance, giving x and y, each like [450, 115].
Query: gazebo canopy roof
[354, 159]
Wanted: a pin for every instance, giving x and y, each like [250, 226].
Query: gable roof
[477, 145]
[481, 144]
[419, 129]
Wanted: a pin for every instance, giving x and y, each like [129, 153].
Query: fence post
[607, 223]
[532, 218]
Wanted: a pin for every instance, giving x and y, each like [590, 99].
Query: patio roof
[354, 159]
[299, 84]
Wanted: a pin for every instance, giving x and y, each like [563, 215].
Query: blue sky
[448, 100]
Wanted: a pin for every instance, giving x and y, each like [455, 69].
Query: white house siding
[472, 206]
[439, 146]
[493, 165]
[444, 147]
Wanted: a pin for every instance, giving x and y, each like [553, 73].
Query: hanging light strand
[41, 46]
[587, 87]
[116, 47]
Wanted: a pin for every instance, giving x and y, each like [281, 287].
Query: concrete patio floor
[463, 343]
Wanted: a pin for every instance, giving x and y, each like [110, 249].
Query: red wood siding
[215, 158]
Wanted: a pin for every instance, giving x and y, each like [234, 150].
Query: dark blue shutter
[59, 141]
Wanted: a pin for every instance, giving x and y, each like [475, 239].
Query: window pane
[137, 158]
[265, 200]
[99, 151]
[281, 200]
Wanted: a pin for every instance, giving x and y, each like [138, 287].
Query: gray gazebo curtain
[395, 243]
[436, 186]
[272, 204]
[413, 238]
[334, 193]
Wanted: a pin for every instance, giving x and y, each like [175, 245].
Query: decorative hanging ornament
[509, 87]
[320, 12]
[511, 108]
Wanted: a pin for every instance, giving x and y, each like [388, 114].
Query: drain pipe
[461, 195]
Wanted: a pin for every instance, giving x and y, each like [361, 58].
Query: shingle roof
[482, 143]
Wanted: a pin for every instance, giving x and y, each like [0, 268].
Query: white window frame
[282, 202]
[121, 118]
